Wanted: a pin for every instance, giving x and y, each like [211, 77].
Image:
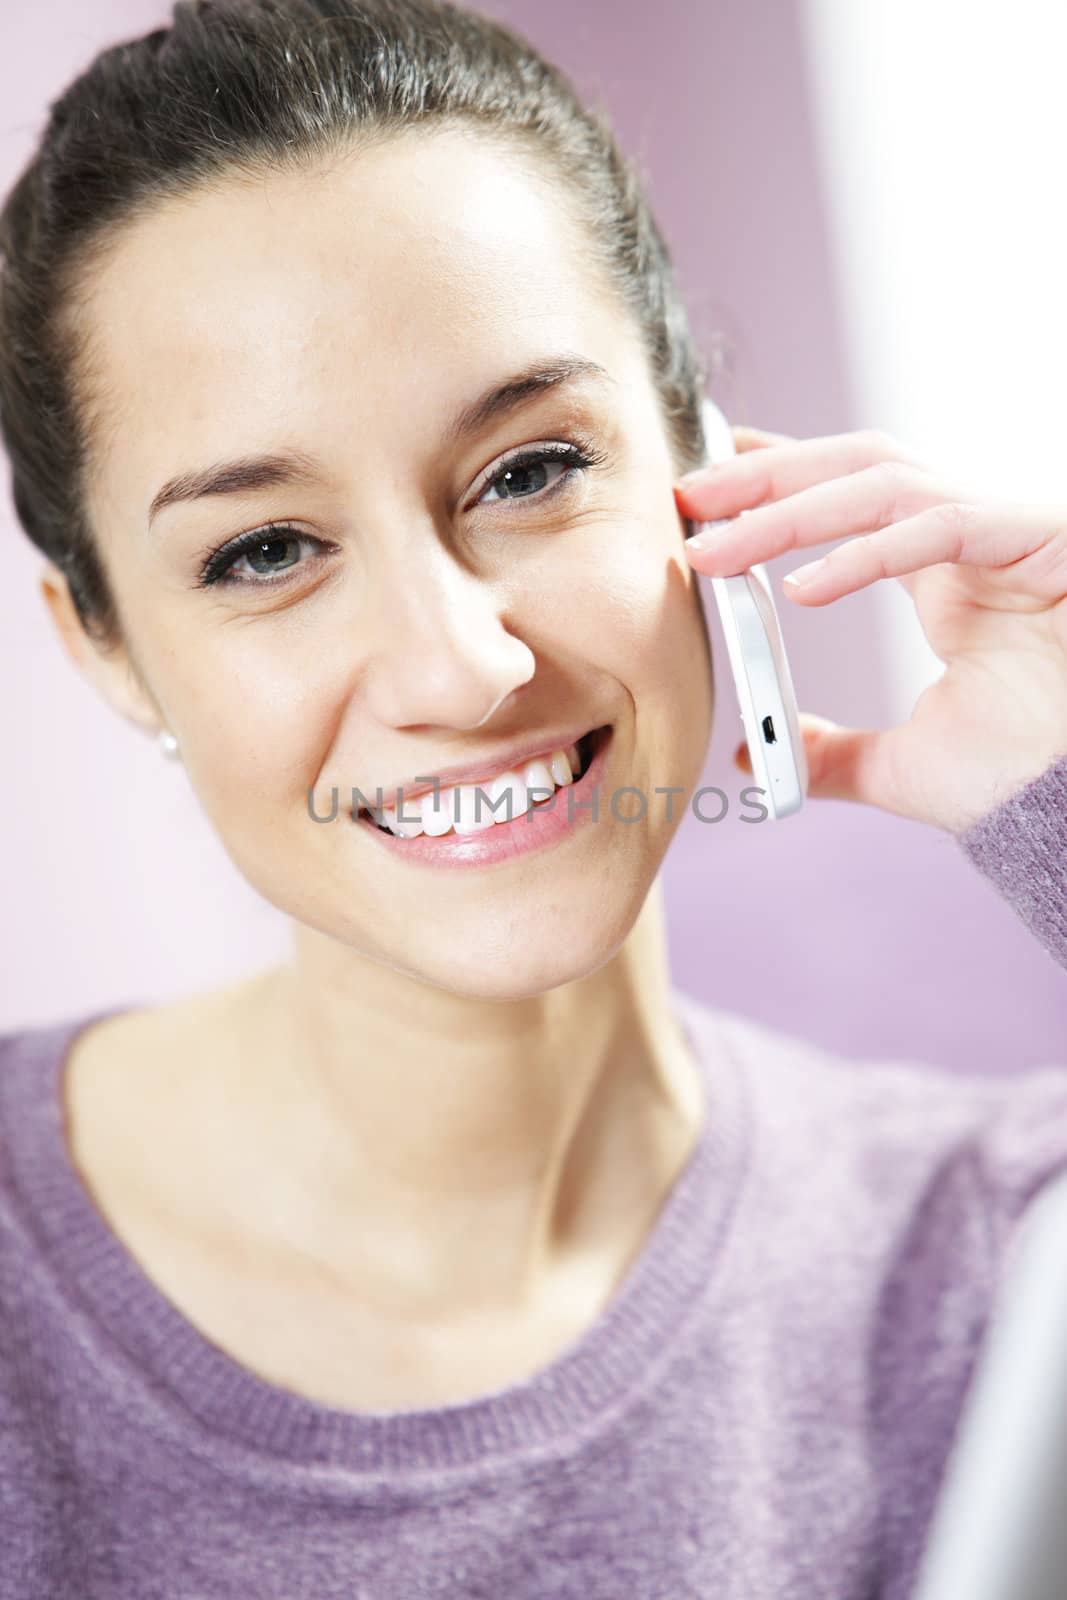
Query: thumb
[843, 763]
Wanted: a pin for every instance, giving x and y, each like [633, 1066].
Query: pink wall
[877, 937]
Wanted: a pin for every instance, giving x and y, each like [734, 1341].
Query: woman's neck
[441, 1153]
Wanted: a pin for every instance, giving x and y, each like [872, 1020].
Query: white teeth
[538, 777]
[405, 829]
[435, 810]
[560, 767]
[468, 808]
[509, 795]
[473, 815]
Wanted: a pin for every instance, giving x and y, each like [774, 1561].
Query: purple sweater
[764, 1409]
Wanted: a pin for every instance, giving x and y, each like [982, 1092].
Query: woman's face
[420, 612]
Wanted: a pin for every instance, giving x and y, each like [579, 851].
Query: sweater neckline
[186, 1381]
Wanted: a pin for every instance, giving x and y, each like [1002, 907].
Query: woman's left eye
[516, 474]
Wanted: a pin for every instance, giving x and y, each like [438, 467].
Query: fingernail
[805, 574]
[709, 534]
[692, 477]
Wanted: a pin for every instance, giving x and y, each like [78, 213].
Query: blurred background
[860, 199]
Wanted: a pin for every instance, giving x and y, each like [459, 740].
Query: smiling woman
[345, 384]
[343, 366]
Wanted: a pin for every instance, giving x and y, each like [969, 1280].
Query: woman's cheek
[258, 725]
[610, 572]
[641, 598]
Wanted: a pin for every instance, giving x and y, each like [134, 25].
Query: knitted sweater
[763, 1409]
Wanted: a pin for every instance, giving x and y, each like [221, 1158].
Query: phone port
[768, 731]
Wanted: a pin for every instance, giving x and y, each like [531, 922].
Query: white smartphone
[759, 663]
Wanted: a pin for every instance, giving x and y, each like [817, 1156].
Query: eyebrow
[266, 470]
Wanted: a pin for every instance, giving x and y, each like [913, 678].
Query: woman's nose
[442, 652]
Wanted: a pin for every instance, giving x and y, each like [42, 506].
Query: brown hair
[236, 87]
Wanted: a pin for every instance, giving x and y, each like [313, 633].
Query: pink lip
[544, 824]
[476, 772]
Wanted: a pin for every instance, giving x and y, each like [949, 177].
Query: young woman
[348, 392]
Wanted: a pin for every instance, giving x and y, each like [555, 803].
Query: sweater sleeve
[1021, 847]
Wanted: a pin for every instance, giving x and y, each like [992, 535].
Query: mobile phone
[758, 662]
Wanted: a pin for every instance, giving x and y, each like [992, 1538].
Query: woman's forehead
[390, 237]
[434, 257]
[325, 311]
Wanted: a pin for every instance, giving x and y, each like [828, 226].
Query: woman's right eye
[264, 545]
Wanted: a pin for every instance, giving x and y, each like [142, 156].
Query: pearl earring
[168, 745]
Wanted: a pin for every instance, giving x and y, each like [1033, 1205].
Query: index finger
[718, 492]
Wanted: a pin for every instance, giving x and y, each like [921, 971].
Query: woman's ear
[112, 672]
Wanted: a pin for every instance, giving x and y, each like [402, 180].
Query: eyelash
[216, 568]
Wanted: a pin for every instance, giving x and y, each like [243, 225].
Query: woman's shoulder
[35, 1048]
[892, 1128]
[121, 1031]
[37, 1045]
[35, 1061]
[87, 1103]
[77, 1070]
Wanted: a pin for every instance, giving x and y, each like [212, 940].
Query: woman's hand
[989, 582]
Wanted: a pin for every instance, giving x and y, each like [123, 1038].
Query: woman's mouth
[526, 821]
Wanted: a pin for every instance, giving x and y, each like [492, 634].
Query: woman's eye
[522, 479]
[270, 550]
[270, 555]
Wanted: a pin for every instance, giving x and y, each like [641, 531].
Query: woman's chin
[516, 967]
